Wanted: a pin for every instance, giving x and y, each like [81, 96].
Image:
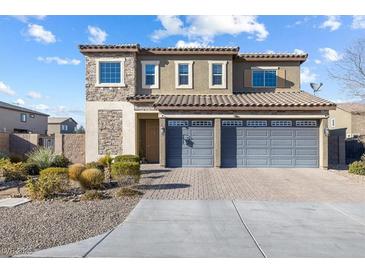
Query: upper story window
[184, 74]
[150, 74]
[110, 72]
[217, 74]
[64, 127]
[264, 78]
[23, 117]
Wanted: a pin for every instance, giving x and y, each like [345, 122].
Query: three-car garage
[243, 143]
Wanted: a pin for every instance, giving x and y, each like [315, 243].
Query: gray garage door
[189, 143]
[270, 143]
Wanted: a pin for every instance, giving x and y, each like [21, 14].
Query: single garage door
[189, 143]
[270, 143]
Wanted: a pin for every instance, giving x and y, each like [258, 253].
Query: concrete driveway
[223, 228]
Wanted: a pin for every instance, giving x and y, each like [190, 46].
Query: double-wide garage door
[244, 143]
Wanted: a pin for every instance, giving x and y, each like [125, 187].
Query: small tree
[350, 70]
[80, 129]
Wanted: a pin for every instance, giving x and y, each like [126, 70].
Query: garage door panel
[282, 143]
[257, 133]
[284, 146]
[257, 151]
[257, 142]
[201, 162]
[201, 132]
[201, 152]
[282, 151]
[306, 143]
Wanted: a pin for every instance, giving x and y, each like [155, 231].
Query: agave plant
[42, 157]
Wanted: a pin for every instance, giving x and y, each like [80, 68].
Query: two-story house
[202, 107]
[17, 119]
[62, 125]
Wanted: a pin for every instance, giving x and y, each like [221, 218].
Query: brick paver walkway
[260, 184]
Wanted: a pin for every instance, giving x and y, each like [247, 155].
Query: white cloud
[40, 34]
[34, 95]
[41, 107]
[269, 51]
[307, 76]
[358, 22]
[332, 22]
[19, 102]
[96, 35]
[330, 54]
[317, 61]
[6, 89]
[299, 51]
[26, 18]
[183, 44]
[204, 28]
[58, 60]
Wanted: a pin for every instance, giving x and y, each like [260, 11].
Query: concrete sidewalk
[224, 228]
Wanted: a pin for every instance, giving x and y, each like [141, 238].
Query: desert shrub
[42, 157]
[46, 186]
[125, 191]
[61, 161]
[124, 171]
[14, 171]
[96, 165]
[357, 168]
[91, 178]
[31, 168]
[75, 170]
[62, 171]
[127, 158]
[106, 160]
[92, 195]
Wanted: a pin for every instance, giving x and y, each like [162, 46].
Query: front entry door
[152, 141]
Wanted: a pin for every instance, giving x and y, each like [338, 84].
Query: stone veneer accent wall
[110, 132]
[94, 93]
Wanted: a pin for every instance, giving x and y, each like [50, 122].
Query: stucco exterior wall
[200, 74]
[95, 93]
[92, 127]
[10, 119]
[292, 70]
[342, 120]
[4, 142]
[358, 123]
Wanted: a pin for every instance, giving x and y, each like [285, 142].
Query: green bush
[75, 170]
[42, 157]
[91, 178]
[45, 186]
[357, 168]
[123, 171]
[106, 160]
[13, 171]
[62, 171]
[31, 168]
[127, 158]
[4, 155]
[61, 161]
[96, 165]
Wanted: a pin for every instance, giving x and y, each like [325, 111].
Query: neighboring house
[202, 107]
[350, 116]
[61, 125]
[16, 119]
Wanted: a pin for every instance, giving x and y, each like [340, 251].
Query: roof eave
[246, 108]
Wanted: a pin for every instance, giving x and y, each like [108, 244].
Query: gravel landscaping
[40, 225]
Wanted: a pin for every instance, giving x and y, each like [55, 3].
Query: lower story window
[201, 123]
[177, 123]
[232, 123]
[281, 123]
[256, 123]
[23, 117]
[306, 123]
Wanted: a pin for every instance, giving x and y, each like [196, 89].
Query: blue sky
[41, 67]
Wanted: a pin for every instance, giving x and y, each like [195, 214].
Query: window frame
[25, 117]
[64, 127]
[190, 74]
[110, 60]
[264, 69]
[157, 74]
[224, 74]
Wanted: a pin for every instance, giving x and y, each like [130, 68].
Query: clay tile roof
[85, 48]
[273, 56]
[352, 107]
[193, 49]
[244, 101]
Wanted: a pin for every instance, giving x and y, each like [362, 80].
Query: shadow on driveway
[162, 186]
